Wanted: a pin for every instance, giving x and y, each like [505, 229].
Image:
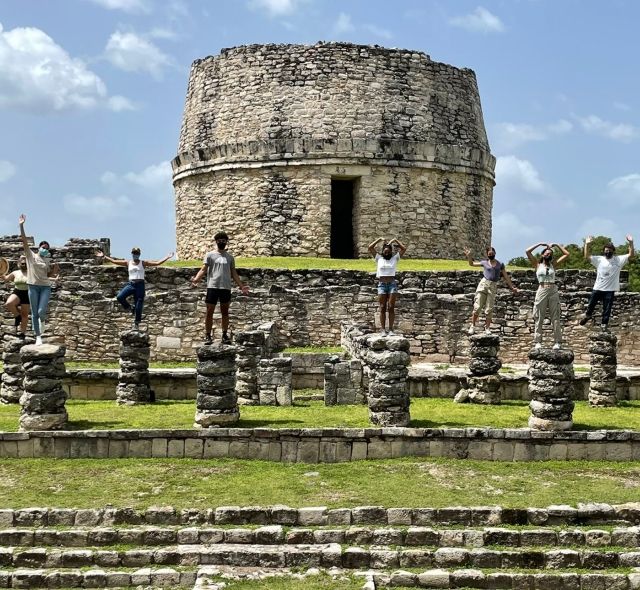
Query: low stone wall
[327, 445]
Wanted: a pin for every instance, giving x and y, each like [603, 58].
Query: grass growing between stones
[408, 482]
[319, 582]
[425, 413]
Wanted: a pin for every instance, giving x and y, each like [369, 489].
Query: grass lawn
[410, 482]
[427, 413]
[319, 582]
[366, 264]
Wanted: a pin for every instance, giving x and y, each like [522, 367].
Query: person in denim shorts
[387, 263]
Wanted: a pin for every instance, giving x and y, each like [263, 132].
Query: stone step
[361, 535]
[582, 514]
[322, 555]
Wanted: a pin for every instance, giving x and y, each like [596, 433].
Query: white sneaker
[391, 333]
[487, 330]
[538, 346]
[604, 327]
[472, 330]
[38, 340]
[556, 346]
[383, 332]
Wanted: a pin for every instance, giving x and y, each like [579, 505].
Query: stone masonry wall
[266, 127]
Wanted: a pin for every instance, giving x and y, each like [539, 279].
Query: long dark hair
[541, 260]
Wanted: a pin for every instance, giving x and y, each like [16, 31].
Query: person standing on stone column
[493, 270]
[40, 272]
[547, 296]
[18, 302]
[607, 278]
[387, 263]
[135, 286]
[220, 268]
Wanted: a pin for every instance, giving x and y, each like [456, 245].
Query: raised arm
[236, 277]
[470, 260]
[158, 262]
[23, 236]
[372, 246]
[401, 246]
[587, 245]
[632, 251]
[116, 261]
[565, 254]
[529, 252]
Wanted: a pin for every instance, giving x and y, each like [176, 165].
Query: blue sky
[92, 93]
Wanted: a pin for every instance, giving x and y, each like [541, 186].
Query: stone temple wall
[267, 127]
[308, 307]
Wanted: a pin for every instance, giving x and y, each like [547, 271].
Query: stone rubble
[12, 374]
[483, 382]
[551, 389]
[43, 401]
[343, 382]
[133, 377]
[274, 382]
[251, 346]
[603, 372]
[216, 401]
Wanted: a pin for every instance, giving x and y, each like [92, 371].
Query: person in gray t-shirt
[220, 268]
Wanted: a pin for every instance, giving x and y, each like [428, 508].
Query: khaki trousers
[547, 301]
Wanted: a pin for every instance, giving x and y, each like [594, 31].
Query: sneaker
[207, 340]
[556, 346]
[391, 333]
[604, 327]
[38, 340]
[487, 330]
[136, 326]
[383, 332]
[225, 338]
[538, 346]
[472, 330]
[584, 319]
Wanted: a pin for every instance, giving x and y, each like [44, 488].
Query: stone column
[250, 345]
[133, 378]
[43, 400]
[12, 375]
[343, 382]
[274, 382]
[483, 382]
[604, 362]
[217, 401]
[551, 389]
[387, 359]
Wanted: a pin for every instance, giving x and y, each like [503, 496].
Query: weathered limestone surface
[12, 374]
[43, 401]
[274, 382]
[604, 363]
[395, 120]
[551, 388]
[483, 383]
[251, 348]
[217, 401]
[343, 382]
[133, 378]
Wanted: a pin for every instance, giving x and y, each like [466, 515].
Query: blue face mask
[136, 257]
[44, 252]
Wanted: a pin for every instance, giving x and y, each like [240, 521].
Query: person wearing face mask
[387, 263]
[492, 270]
[40, 271]
[135, 286]
[608, 269]
[547, 296]
[18, 302]
[220, 268]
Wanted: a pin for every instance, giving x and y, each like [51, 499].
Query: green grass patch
[410, 482]
[364, 264]
[319, 582]
[425, 413]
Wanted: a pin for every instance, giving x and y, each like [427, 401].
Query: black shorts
[215, 295]
[23, 295]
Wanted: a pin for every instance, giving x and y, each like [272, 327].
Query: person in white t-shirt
[387, 263]
[607, 282]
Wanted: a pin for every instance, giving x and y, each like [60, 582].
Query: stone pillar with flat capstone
[603, 372]
[483, 382]
[216, 400]
[133, 378]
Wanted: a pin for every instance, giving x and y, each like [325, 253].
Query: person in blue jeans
[386, 263]
[135, 286]
[40, 272]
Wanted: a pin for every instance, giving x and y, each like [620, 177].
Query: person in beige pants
[547, 301]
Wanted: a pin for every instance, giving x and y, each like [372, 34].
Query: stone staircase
[588, 547]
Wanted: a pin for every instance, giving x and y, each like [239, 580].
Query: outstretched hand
[22, 218]
[194, 282]
[629, 238]
[244, 289]
[171, 255]
[588, 239]
[99, 254]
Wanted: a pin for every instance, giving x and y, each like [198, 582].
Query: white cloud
[156, 176]
[120, 103]
[276, 7]
[130, 6]
[626, 189]
[511, 135]
[133, 53]
[479, 21]
[513, 174]
[508, 228]
[98, 207]
[38, 75]
[378, 31]
[7, 170]
[343, 24]
[154, 182]
[616, 131]
[162, 33]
